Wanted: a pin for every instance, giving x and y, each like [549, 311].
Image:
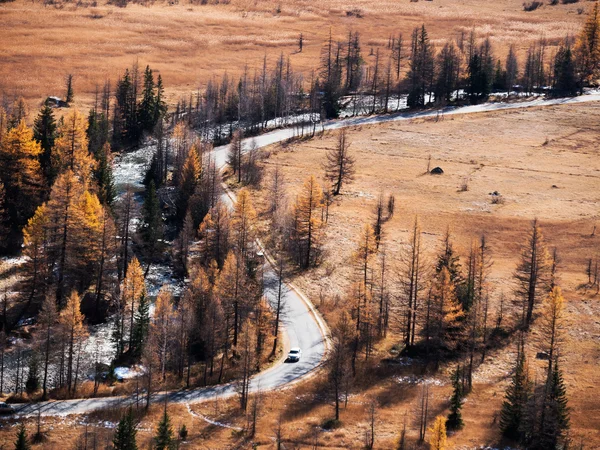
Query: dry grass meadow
[189, 43]
[545, 164]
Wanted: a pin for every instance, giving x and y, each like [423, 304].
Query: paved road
[303, 328]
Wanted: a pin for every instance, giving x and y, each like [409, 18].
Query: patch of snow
[126, 373]
[212, 422]
[413, 379]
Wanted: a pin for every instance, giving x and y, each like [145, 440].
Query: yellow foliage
[133, 284]
[71, 317]
[437, 434]
[71, 147]
[244, 219]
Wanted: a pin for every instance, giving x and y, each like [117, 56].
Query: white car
[5, 408]
[294, 354]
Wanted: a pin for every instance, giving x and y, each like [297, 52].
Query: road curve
[303, 326]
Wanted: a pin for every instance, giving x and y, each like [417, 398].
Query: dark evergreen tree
[421, 68]
[160, 106]
[141, 326]
[152, 225]
[148, 103]
[44, 131]
[448, 69]
[154, 172]
[565, 81]
[331, 78]
[480, 73]
[22, 443]
[126, 125]
[516, 399]
[104, 176]
[69, 95]
[125, 434]
[97, 131]
[455, 421]
[33, 377]
[164, 433]
[555, 414]
[183, 432]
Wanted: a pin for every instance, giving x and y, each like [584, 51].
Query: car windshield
[295, 351]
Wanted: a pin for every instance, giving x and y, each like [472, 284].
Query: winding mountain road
[303, 326]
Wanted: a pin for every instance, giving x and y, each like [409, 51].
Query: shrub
[531, 6]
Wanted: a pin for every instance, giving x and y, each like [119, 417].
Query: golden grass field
[189, 43]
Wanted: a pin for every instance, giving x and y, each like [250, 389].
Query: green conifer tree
[22, 443]
[556, 411]
[104, 176]
[164, 433]
[455, 421]
[125, 435]
[160, 106]
[516, 398]
[141, 326]
[565, 82]
[148, 102]
[33, 378]
[44, 131]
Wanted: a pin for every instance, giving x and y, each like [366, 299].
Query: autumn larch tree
[339, 164]
[234, 154]
[36, 269]
[214, 233]
[447, 312]
[72, 321]
[337, 360]
[20, 174]
[231, 288]
[587, 48]
[412, 279]
[307, 223]
[47, 319]
[71, 148]
[160, 328]
[438, 439]
[363, 257]
[188, 180]
[552, 325]
[134, 288]
[532, 272]
[243, 221]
